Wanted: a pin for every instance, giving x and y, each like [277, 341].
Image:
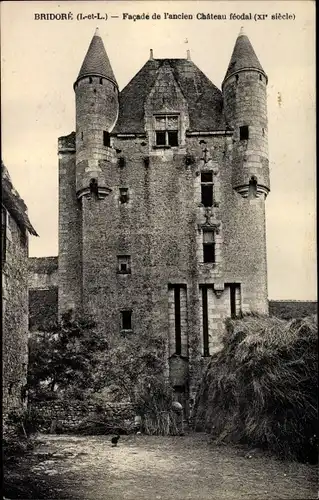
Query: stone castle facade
[162, 192]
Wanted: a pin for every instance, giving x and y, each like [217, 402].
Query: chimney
[188, 55]
[151, 54]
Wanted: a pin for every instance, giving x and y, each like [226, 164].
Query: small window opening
[106, 139]
[81, 136]
[244, 133]
[208, 246]
[234, 290]
[207, 189]
[101, 81]
[260, 78]
[94, 90]
[124, 264]
[263, 131]
[124, 195]
[126, 319]
[90, 80]
[94, 187]
[237, 78]
[252, 187]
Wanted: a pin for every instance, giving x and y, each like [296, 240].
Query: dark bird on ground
[114, 440]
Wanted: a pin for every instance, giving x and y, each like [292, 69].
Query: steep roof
[243, 56]
[13, 203]
[96, 61]
[205, 102]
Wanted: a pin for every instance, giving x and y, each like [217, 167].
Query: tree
[68, 356]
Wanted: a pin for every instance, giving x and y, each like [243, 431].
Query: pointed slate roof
[96, 61]
[205, 101]
[243, 56]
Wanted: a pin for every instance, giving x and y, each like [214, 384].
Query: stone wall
[64, 416]
[42, 272]
[14, 317]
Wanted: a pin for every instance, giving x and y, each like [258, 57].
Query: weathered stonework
[15, 228]
[156, 141]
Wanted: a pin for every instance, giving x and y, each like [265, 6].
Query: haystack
[261, 389]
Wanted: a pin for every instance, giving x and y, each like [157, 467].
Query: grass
[261, 389]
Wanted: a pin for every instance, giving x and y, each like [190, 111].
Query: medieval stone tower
[162, 202]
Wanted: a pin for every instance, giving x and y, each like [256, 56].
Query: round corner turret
[97, 108]
[245, 103]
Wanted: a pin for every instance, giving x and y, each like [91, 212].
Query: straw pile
[261, 389]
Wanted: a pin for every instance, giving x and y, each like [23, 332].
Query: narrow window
[23, 236]
[244, 133]
[106, 139]
[3, 234]
[178, 336]
[207, 189]
[126, 320]
[205, 321]
[124, 264]
[208, 246]
[252, 192]
[124, 195]
[90, 80]
[101, 81]
[260, 78]
[94, 189]
[234, 291]
[237, 78]
[81, 136]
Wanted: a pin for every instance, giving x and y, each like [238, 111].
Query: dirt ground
[164, 468]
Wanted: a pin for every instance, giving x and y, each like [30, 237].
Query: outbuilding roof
[12, 201]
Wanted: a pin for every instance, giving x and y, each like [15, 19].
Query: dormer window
[166, 131]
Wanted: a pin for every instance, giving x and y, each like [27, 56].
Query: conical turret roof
[96, 61]
[243, 56]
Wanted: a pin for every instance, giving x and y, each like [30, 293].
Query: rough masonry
[162, 191]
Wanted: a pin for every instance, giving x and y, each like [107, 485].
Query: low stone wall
[64, 416]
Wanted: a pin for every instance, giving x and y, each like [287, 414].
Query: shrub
[261, 389]
[15, 440]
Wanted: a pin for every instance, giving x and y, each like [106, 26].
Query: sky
[41, 60]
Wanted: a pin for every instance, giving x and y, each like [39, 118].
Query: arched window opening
[252, 192]
[94, 187]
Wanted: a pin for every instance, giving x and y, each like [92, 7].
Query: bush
[154, 398]
[261, 389]
[15, 440]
